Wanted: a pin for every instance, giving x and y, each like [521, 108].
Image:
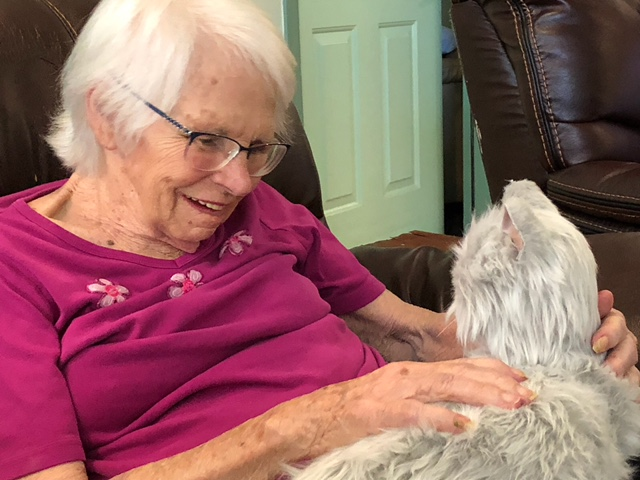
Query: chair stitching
[604, 194]
[596, 225]
[584, 207]
[67, 24]
[535, 106]
[546, 96]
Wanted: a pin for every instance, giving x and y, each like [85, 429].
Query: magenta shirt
[120, 360]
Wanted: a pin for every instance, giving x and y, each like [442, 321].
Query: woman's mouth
[215, 207]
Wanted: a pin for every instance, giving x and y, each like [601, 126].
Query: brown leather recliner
[36, 38]
[554, 86]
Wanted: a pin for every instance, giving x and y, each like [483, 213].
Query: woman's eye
[213, 143]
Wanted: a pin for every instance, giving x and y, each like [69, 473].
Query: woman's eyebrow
[225, 133]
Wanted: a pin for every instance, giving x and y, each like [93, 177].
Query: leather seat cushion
[608, 190]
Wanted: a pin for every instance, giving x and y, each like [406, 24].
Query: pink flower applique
[112, 293]
[185, 283]
[236, 243]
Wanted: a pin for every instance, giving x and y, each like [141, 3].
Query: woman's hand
[404, 394]
[614, 336]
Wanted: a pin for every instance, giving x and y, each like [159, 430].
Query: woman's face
[231, 100]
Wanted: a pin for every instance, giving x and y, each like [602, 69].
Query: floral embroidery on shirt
[113, 293]
[186, 283]
[236, 243]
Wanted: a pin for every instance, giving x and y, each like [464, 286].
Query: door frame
[291, 24]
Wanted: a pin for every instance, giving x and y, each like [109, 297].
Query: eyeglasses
[209, 152]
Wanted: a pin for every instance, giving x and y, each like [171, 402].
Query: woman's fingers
[612, 331]
[470, 381]
[605, 302]
[494, 364]
[442, 419]
[624, 356]
[614, 337]
[476, 382]
[410, 413]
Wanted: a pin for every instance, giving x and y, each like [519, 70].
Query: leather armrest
[418, 275]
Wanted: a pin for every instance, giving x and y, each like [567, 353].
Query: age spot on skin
[404, 372]
[111, 243]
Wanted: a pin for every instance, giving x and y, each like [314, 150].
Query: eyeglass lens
[210, 152]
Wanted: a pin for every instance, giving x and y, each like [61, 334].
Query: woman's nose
[234, 176]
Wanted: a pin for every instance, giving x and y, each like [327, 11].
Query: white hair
[147, 46]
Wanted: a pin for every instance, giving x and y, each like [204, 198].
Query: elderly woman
[168, 315]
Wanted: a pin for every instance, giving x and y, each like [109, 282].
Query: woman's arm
[401, 331]
[66, 471]
[614, 336]
[397, 395]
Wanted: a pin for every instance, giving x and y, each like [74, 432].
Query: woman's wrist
[299, 427]
[437, 336]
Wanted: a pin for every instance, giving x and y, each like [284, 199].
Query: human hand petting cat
[615, 338]
[398, 395]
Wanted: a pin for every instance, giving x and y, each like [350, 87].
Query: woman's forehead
[230, 101]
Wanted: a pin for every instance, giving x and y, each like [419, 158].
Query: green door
[371, 86]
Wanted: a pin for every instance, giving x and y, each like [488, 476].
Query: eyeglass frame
[192, 135]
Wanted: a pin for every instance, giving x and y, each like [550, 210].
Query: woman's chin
[190, 244]
[190, 247]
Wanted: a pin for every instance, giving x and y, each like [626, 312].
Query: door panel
[371, 93]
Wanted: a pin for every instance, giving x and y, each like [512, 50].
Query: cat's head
[525, 283]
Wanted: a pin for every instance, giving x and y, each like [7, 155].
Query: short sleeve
[341, 280]
[39, 428]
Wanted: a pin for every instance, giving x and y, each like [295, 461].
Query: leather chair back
[35, 39]
[553, 86]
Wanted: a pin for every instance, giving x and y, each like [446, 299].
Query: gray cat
[524, 292]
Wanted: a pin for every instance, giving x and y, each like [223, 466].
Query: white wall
[274, 10]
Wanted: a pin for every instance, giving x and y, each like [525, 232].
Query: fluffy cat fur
[524, 292]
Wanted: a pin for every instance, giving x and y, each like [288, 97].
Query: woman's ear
[101, 125]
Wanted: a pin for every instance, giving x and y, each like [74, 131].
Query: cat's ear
[510, 228]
